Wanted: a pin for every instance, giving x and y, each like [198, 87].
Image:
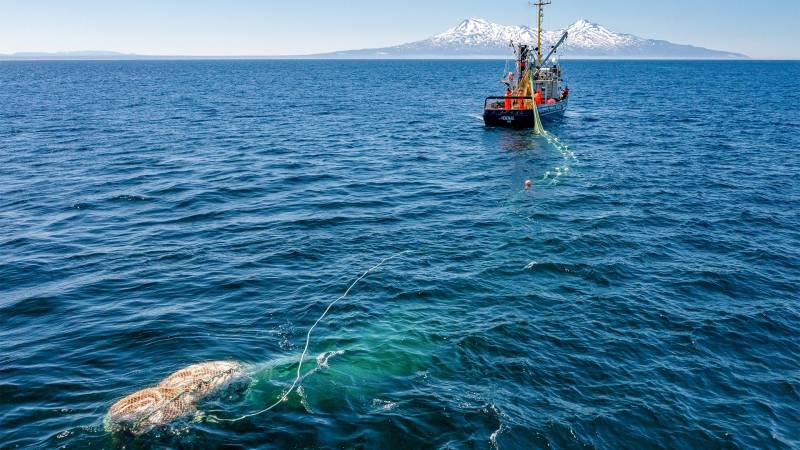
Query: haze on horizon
[767, 30]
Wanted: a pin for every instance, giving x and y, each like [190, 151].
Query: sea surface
[644, 292]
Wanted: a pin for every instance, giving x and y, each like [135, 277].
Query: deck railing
[501, 104]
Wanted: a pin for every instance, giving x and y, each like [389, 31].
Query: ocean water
[642, 293]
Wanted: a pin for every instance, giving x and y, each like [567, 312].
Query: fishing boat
[536, 82]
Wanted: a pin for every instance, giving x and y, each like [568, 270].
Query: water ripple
[640, 294]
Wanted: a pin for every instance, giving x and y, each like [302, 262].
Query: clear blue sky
[762, 29]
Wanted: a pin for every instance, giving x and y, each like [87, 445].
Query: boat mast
[540, 4]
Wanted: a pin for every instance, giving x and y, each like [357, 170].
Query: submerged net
[175, 397]
[285, 395]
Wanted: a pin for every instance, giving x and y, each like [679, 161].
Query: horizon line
[134, 56]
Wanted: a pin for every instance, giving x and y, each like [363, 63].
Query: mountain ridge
[478, 38]
[472, 38]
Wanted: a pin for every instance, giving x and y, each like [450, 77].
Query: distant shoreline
[329, 57]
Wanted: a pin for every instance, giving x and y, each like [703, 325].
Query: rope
[508, 57]
[285, 395]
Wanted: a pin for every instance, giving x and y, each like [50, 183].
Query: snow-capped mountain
[478, 38]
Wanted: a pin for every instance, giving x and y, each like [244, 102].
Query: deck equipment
[534, 89]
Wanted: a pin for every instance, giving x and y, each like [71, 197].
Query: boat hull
[522, 118]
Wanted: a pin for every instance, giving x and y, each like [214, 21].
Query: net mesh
[148, 408]
[175, 397]
[537, 122]
[205, 378]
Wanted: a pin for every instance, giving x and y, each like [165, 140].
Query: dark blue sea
[643, 293]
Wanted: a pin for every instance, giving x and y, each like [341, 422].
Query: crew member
[508, 98]
[538, 97]
[565, 93]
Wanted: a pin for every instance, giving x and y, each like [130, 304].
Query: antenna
[540, 4]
